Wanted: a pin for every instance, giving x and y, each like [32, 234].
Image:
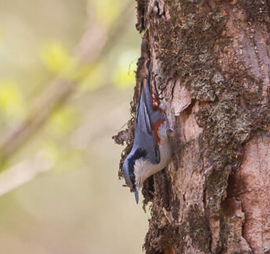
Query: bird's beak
[137, 194]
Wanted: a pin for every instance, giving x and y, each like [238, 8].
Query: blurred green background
[66, 80]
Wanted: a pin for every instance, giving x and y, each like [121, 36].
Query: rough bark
[211, 59]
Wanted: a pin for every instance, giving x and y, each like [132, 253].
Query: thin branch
[23, 172]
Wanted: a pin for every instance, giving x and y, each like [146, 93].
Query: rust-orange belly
[155, 127]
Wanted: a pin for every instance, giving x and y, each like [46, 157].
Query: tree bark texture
[211, 60]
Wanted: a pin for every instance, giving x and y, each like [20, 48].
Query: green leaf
[106, 11]
[124, 75]
[12, 104]
[55, 57]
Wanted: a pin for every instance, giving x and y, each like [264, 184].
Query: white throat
[143, 168]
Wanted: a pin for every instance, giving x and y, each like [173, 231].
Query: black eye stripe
[140, 153]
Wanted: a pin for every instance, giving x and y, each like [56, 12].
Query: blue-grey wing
[144, 135]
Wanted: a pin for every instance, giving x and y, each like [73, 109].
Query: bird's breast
[155, 126]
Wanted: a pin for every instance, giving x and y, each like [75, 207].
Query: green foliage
[55, 57]
[12, 104]
[106, 11]
[124, 75]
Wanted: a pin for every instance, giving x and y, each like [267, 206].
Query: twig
[17, 175]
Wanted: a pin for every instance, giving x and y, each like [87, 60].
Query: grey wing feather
[144, 136]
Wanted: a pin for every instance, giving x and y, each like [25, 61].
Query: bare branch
[23, 172]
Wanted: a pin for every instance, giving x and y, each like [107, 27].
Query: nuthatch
[151, 149]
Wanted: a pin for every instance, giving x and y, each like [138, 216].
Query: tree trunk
[212, 61]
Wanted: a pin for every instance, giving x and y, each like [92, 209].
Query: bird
[151, 151]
